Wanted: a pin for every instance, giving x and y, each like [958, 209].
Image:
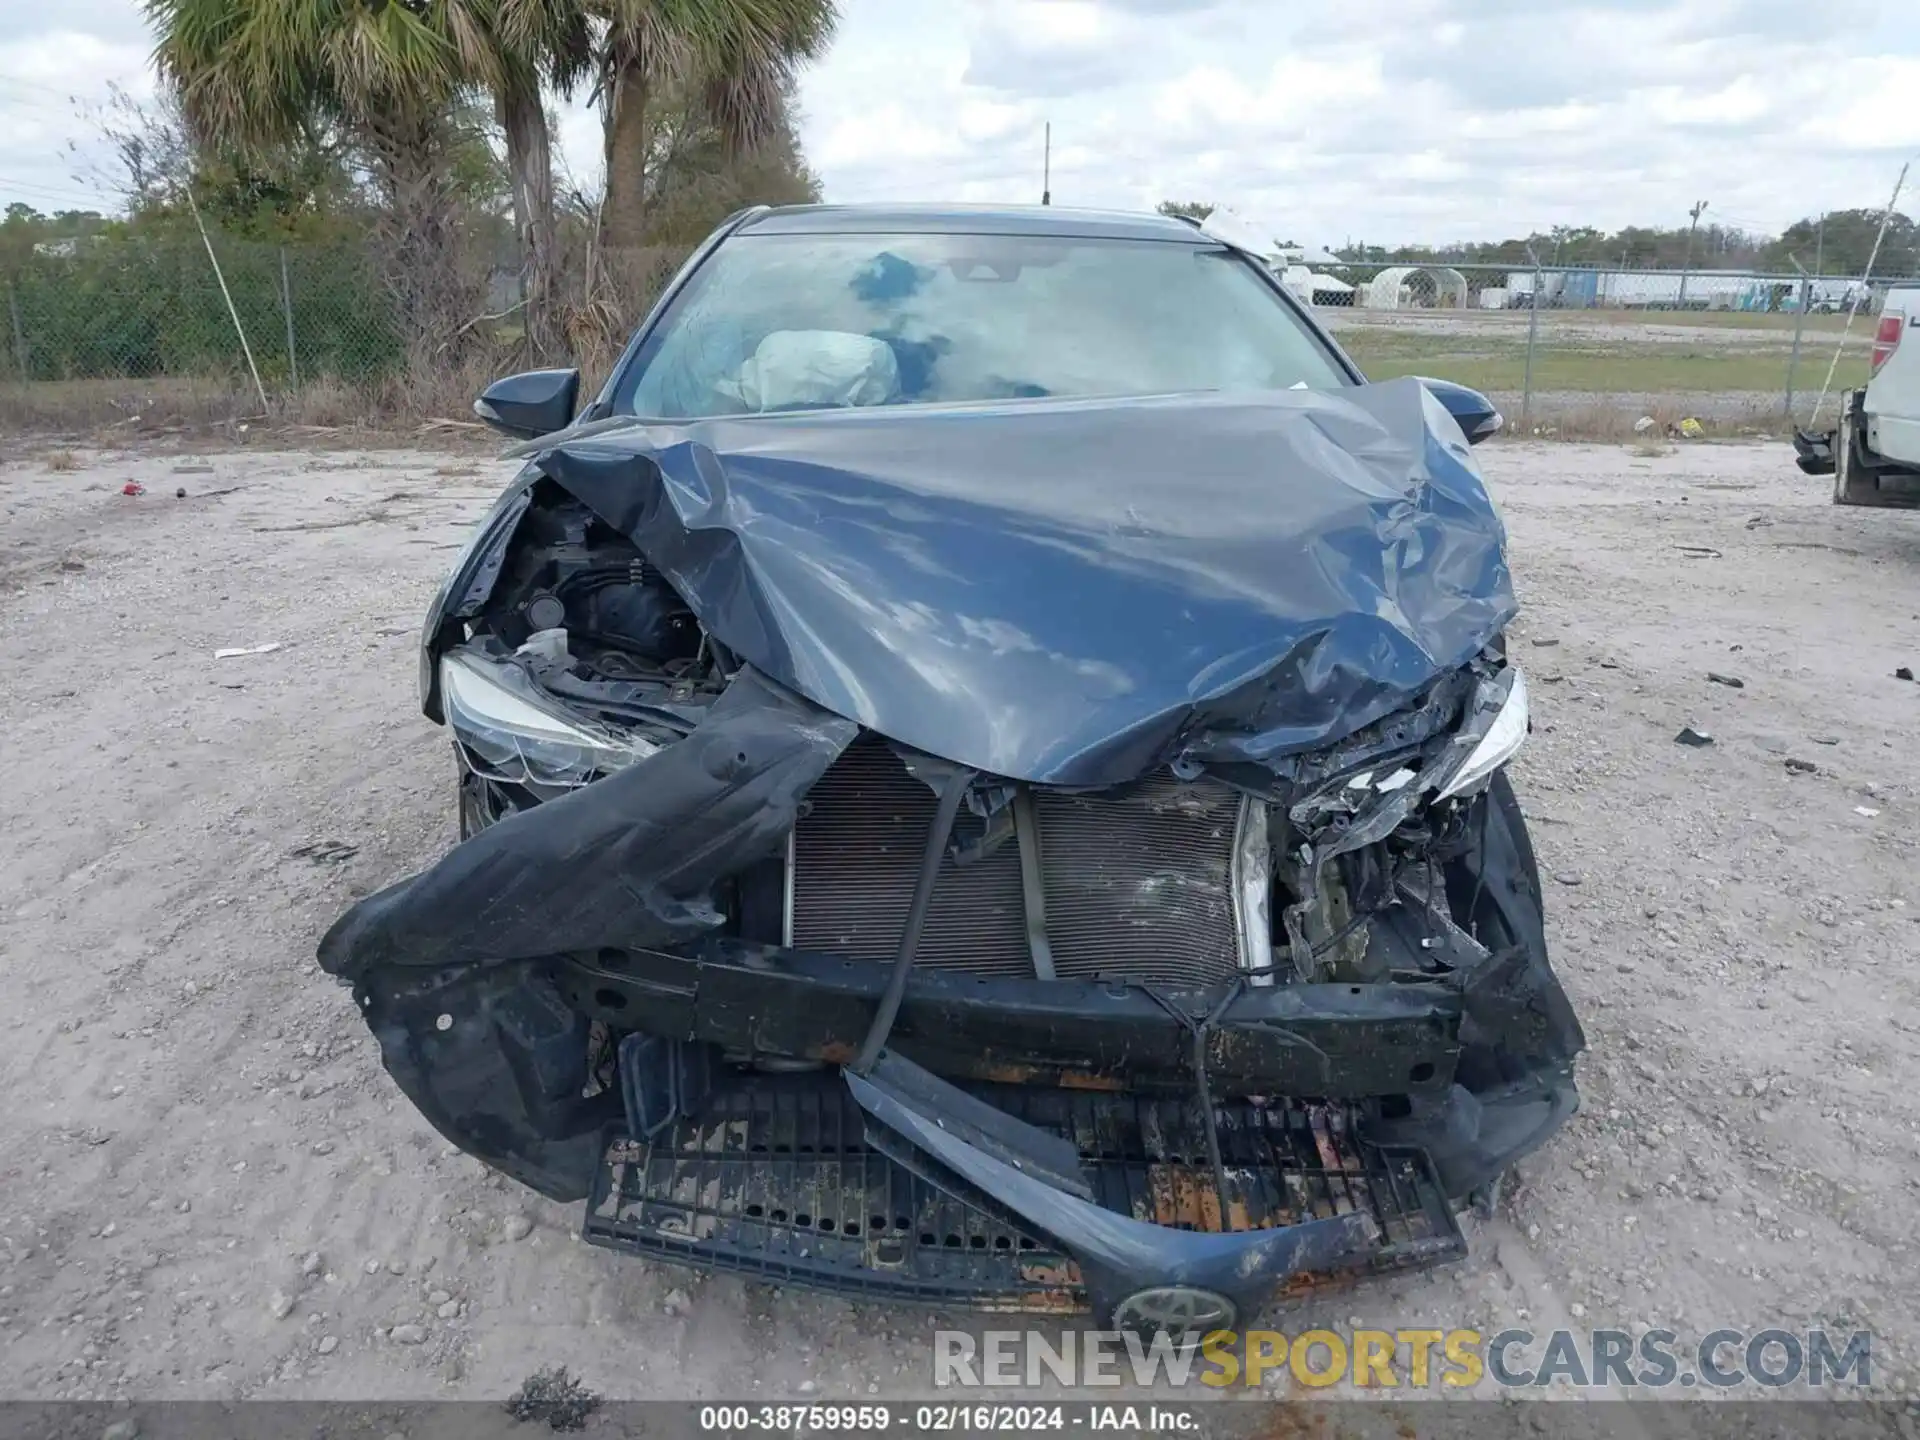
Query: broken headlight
[509, 730]
[1498, 745]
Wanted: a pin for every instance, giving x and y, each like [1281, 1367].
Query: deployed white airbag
[818, 367]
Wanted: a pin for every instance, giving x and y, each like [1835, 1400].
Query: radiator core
[1140, 882]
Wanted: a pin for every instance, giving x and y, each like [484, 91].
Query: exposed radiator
[1142, 883]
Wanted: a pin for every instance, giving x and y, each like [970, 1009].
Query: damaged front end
[1158, 991]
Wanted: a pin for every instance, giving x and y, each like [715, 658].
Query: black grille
[775, 1177]
[1137, 883]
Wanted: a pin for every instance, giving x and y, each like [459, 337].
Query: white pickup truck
[1874, 457]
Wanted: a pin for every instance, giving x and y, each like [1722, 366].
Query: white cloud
[1381, 119]
[1877, 101]
[52, 80]
[1323, 120]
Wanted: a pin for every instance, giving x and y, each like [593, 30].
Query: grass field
[1595, 373]
[1738, 321]
[1728, 320]
[1498, 361]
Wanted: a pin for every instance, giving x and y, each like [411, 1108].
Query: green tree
[1187, 209]
[527, 48]
[693, 181]
[735, 59]
[383, 79]
[1843, 241]
[296, 191]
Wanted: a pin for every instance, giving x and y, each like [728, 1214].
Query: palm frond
[479, 49]
[746, 73]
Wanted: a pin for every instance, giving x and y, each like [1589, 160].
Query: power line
[77, 187]
[8, 82]
[94, 92]
[48, 193]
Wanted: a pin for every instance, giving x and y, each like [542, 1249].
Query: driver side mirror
[1478, 416]
[531, 404]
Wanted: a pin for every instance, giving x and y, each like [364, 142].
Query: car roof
[970, 220]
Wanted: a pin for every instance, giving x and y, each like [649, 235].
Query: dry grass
[117, 411]
[80, 408]
[1596, 419]
[437, 402]
[327, 403]
[596, 309]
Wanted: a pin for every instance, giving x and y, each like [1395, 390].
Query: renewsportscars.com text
[1410, 1359]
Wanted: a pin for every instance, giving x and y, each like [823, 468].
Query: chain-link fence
[96, 325]
[1587, 351]
[110, 327]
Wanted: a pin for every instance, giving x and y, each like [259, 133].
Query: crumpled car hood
[1075, 592]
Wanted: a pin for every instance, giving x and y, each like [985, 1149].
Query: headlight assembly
[1499, 745]
[509, 730]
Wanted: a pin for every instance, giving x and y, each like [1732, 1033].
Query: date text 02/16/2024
[941, 1418]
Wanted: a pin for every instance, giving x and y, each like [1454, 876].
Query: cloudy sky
[1319, 121]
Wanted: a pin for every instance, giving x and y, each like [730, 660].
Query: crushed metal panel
[628, 860]
[475, 1032]
[1018, 588]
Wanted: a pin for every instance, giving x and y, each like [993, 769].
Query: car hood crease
[1076, 592]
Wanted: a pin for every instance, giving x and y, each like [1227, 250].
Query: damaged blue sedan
[981, 778]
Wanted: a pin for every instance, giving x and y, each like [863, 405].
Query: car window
[789, 322]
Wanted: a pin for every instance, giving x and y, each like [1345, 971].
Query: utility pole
[1693, 215]
[1046, 168]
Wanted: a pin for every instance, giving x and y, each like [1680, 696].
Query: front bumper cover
[483, 979]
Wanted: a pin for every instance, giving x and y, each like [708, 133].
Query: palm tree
[739, 55]
[386, 77]
[389, 74]
[535, 44]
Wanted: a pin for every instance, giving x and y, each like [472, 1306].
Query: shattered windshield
[801, 322]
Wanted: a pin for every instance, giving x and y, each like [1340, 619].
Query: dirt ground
[209, 1188]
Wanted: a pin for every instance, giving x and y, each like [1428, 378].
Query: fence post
[19, 334]
[1533, 332]
[1799, 325]
[233, 311]
[286, 308]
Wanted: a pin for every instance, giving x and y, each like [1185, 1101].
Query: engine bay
[595, 625]
[1306, 857]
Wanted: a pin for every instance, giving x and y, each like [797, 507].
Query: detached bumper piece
[898, 1186]
[1814, 454]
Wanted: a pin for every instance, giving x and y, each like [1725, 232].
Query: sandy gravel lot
[208, 1187]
